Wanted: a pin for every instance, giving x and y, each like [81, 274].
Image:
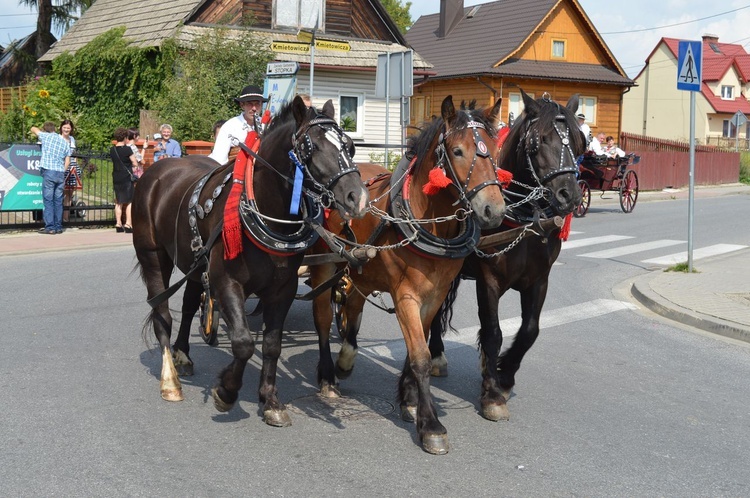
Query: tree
[59, 14]
[399, 13]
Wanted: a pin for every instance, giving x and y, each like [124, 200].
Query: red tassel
[504, 177]
[501, 136]
[565, 230]
[231, 234]
[437, 180]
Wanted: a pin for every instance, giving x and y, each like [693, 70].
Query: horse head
[323, 147]
[467, 151]
[547, 142]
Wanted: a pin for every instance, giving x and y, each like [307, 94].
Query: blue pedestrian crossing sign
[689, 65]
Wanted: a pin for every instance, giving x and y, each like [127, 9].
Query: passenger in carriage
[596, 144]
[611, 149]
[585, 129]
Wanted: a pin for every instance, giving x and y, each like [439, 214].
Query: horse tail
[445, 313]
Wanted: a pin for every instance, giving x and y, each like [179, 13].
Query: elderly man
[584, 127]
[251, 101]
[54, 163]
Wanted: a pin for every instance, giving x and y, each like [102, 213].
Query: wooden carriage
[608, 174]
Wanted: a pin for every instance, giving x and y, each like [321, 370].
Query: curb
[643, 293]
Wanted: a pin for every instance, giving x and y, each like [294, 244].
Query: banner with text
[20, 180]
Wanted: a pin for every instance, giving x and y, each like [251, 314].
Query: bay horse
[173, 218]
[540, 151]
[421, 241]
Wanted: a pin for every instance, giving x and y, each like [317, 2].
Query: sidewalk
[716, 299]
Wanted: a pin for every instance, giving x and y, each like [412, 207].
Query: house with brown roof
[350, 35]
[656, 108]
[489, 51]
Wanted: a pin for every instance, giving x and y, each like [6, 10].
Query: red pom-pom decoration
[504, 177]
[565, 230]
[438, 181]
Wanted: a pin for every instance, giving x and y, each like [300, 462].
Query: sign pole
[691, 198]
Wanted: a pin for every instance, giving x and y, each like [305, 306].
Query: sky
[630, 32]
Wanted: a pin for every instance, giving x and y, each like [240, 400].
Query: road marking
[624, 250]
[703, 252]
[396, 349]
[573, 244]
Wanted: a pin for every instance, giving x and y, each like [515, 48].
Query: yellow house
[656, 108]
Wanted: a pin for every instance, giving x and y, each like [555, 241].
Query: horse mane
[284, 117]
[543, 122]
[419, 144]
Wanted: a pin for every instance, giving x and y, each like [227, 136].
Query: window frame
[321, 14]
[588, 110]
[730, 89]
[728, 129]
[564, 49]
[360, 124]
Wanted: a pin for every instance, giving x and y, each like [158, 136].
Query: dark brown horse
[541, 152]
[173, 219]
[421, 240]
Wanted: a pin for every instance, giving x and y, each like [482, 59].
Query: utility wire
[672, 25]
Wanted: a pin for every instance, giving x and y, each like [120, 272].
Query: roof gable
[496, 35]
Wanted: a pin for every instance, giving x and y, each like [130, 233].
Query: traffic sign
[739, 119]
[689, 65]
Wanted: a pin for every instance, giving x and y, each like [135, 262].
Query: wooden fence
[666, 163]
[7, 94]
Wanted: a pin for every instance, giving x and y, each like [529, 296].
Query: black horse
[540, 151]
[174, 221]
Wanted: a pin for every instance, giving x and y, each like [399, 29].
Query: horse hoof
[219, 403]
[343, 374]
[506, 393]
[172, 394]
[439, 366]
[184, 370]
[277, 418]
[329, 391]
[495, 413]
[435, 444]
[408, 413]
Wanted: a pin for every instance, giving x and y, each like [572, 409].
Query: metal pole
[312, 64]
[691, 199]
[387, 105]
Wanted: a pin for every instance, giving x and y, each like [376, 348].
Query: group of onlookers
[60, 171]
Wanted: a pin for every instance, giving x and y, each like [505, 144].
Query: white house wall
[329, 84]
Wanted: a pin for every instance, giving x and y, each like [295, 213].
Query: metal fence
[92, 205]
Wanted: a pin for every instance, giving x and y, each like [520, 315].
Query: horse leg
[156, 268]
[352, 319]
[323, 316]
[532, 301]
[232, 298]
[492, 401]
[191, 301]
[439, 362]
[414, 383]
[274, 411]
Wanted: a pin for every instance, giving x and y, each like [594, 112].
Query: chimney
[708, 37]
[451, 12]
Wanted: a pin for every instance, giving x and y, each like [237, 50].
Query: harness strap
[199, 262]
[333, 280]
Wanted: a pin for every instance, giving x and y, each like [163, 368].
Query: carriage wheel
[628, 191]
[209, 321]
[583, 207]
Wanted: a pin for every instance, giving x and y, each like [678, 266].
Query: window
[727, 92]
[351, 115]
[558, 49]
[420, 108]
[728, 130]
[587, 106]
[299, 13]
[515, 106]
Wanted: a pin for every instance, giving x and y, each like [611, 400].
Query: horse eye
[457, 152]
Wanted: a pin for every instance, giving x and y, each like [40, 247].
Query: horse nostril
[563, 195]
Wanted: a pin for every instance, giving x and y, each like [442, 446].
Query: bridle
[480, 150]
[531, 141]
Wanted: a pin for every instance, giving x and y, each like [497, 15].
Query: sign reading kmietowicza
[689, 65]
[20, 180]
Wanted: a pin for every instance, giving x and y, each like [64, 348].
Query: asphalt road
[611, 401]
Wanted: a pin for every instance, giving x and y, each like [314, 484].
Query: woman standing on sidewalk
[73, 176]
[123, 162]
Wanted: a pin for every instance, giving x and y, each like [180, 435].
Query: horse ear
[447, 109]
[493, 114]
[299, 109]
[530, 105]
[573, 103]
[328, 109]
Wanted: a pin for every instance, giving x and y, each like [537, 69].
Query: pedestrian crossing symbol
[689, 65]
